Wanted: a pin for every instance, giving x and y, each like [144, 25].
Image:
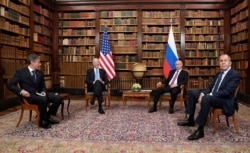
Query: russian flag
[171, 55]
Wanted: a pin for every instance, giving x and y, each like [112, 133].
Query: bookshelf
[204, 42]
[42, 38]
[15, 39]
[122, 29]
[77, 46]
[240, 40]
[155, 30]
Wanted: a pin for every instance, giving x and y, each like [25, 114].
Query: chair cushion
[103, 93]
[168, 94]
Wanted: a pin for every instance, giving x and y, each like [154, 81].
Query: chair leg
[20, 118]
[86, 103]
[215, 123]
[235, 125]
[37, 118]
[30, 115]
[62, 108]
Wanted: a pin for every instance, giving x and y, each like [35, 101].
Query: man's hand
[200, 98]
[25, 93]
[159, 84]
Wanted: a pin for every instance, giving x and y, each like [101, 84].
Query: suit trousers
[206, 103]
[43, 101]
[98, 89]
[173, 93]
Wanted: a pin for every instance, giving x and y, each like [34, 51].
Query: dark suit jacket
[90, 77]
[226, 90]
[24, 78]
[181, 80]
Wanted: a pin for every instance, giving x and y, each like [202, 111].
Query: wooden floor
[13, 109]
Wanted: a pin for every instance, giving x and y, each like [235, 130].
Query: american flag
[106, 60]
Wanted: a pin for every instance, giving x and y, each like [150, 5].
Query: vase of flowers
[136, 87]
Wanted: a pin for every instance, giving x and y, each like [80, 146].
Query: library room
[128, 76]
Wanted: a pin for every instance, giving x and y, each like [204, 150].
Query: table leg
[62, 107]
[68, 106]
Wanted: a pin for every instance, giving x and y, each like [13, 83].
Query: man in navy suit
[175, 79]
[96, 79]
[220, 94]
[32, 86]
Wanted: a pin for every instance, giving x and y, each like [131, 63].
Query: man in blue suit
[220, 94]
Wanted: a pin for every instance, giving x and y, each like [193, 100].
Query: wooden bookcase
[122, 32]
[155, 31]
[76, 46]
[240, 40]
[42, 38]
[204, 42]
[15, 38]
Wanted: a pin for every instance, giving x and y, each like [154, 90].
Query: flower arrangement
[136, 87]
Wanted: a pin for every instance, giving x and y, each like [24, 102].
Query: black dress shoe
[196, 135]
[45, 125]
[170, 111]
[186, 123]
[152, 109]
[101, 111]
[52, 121]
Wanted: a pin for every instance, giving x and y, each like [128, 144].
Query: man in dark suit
[29, 83]
[220, 94]
[96, 79]
[175, 79]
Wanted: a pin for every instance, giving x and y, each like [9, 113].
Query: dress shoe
[152, 109]
[170, 111]
[52, 121]
[186, 123]
[45, 125]
[101, 111]
[196, 135]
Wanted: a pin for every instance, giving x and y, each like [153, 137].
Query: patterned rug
[129, 129]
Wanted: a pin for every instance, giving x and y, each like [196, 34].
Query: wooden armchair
[181, 97]
[31, 107]
[88, 95]
[217, 112]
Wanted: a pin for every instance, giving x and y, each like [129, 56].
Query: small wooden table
[65, 96]
[135, 94]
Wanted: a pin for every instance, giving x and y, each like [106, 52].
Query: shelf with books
[122, 28]
[239, 40]
[155, 30]
[77, 47]
[15, 39]
[204, 42]
[42, 38]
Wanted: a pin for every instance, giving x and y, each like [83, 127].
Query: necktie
[174, 78]
[217, 83]
[34, 76]
[96, 74]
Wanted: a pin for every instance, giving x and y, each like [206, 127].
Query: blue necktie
[217, 83]
[96, 74]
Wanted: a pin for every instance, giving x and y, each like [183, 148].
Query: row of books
[13, 15]
[204, 22]
[161, 14]
[44, 39]
[19, 41]
[119, 21]
[159, 29]
[42, 30]
[76, 58]
[204, 30]
[201, 71]
[154, 62]
[123, 43]
[204, 45]
[204, 14]
[239, 7]
[240, 36]
[72, 81]
[240, 64]
[77, 41]
[13, 52]
[200, 83]
[239, 27]
[125, 58]
[243, 15]
[11, 65]
[121, 36]
[76, 15]
[113, 14]
[23, 9]
[202, 53]
[77, 23]
[120, 28]
[41, 10]
[42, 20]
[163, 21]
[217, 37]
[6, 25]
[76, 68]
[77, 32]
[240, 55]
[154, 54]
[83, 50]
[203, 62]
